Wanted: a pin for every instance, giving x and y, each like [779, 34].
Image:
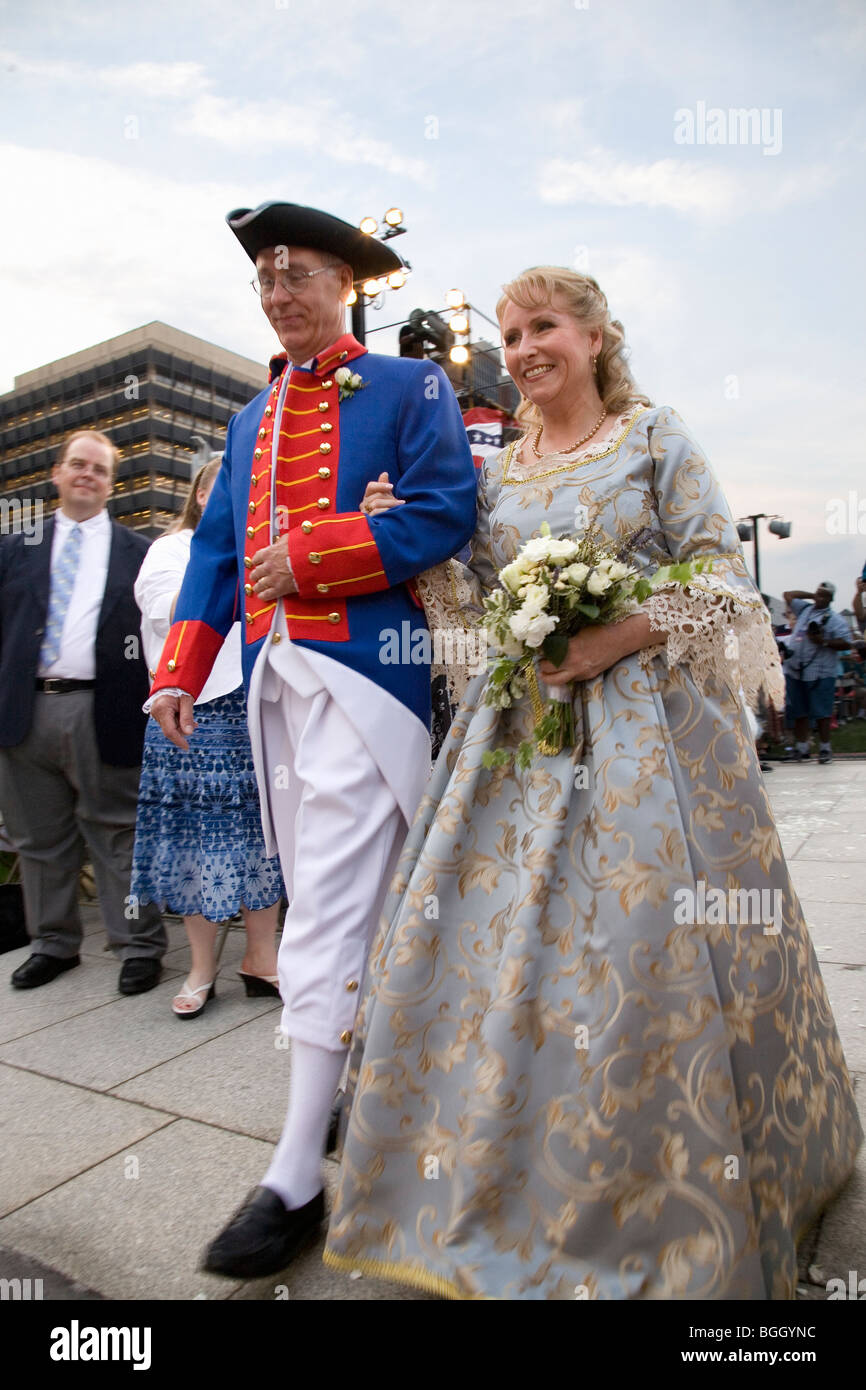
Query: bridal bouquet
[549, 592]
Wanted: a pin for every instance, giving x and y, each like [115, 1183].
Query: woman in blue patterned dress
[596, 1058]
[198, 840]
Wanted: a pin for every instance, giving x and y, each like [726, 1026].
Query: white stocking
[295, 1173]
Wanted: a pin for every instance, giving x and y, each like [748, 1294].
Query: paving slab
[239, 1080]
[85, 1128]
[846, 990]
[44, 1282]
[840, 1247]
[107, 1046]
[91, 985]
[822, 881]
[838, 931]
[140, 1237]
[834, 846]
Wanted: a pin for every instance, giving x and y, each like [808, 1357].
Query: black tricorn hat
[289, 224]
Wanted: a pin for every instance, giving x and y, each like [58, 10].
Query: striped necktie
[62, 583]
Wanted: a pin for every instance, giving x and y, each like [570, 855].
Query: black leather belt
[58, 685]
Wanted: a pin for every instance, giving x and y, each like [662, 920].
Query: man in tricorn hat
[340, 737]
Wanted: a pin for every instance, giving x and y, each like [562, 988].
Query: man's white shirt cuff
[169, 690]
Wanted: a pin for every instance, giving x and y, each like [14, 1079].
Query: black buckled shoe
[40, 969]
[263, 1236]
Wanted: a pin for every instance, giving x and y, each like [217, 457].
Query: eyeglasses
[294, 281]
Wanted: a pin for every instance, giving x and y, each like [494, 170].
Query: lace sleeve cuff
[721, 634]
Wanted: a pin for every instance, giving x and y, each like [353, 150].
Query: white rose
[598, 584]
[538, 630]
[534, 600]
[617, 570]
[576, 572]
[342, 375]
[511, 577]
[355, 381]
[509, 646]
[561, 550]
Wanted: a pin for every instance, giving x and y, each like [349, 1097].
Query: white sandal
[187, 993]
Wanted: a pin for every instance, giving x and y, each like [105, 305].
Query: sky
[600, 134]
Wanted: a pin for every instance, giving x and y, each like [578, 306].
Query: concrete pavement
[129, 1137]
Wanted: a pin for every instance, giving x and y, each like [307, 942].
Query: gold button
[324, 472]
[351, 986]
[250, 618]
[324, 447]
[324, 405]
[257, 453]
[277, 637]
[314, 557]
[269, 410]
[250, 532]
[306, 527]
[252, 506]
[152, 675]
[323, 504]
[333, 617]
[276, 390]
[326, 427]
[262, 432]
[248, 588]
[172, 665]
[345, 1036]
[343, 355]
[254, 480]
[248, 562]
[323, 588]
[326, 385]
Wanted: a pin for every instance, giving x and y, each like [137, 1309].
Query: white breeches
[339, 833]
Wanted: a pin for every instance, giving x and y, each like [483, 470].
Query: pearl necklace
[571, 448]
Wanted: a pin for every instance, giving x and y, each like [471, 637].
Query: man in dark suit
[72, 684]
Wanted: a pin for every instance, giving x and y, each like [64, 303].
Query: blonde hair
[89, 434]
[581, 297]
[191, 514]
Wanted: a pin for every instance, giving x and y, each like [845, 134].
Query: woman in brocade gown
[575, 1075]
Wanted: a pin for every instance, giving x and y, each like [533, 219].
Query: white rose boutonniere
[349, 382]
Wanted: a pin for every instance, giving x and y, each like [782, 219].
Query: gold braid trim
[401, 1274]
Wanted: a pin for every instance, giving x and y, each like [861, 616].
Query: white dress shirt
[76, 659]
[159, 580]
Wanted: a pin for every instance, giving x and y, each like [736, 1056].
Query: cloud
[125, 247]
[319, 127]
[682, 185]
[158, 80]
[605, 180]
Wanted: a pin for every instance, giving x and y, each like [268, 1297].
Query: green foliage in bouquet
[553, 589]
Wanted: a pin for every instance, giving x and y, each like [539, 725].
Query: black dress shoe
[263, 1236]
[39, 969]
[139, 975]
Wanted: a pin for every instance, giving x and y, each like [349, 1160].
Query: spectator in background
[858, 603]
[199, 849]
[72, 683]
[818, 637]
